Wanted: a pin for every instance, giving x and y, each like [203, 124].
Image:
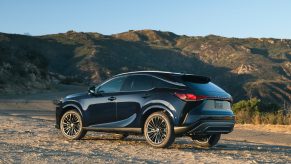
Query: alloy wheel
[157, 129]
[71, 124]
[204, 139]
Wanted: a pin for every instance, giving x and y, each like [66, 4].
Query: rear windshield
[186, 77]
[206, 87]
[195, 79]
[200, 84]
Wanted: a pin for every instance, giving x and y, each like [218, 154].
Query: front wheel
[159, 130]
[72, 125]
[206, 141]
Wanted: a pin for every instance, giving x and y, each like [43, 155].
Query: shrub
[253, 111]
[245, 110]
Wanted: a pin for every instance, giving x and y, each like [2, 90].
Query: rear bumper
[208, 125]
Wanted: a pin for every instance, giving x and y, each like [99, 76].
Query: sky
[229, 18]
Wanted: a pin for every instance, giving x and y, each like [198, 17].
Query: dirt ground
[27, 135]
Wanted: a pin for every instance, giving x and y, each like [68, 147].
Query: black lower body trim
[206, 127]
[114, 130]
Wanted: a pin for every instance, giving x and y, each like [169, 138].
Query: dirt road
[27, 135]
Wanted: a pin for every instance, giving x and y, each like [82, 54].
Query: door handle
[146, 95]
[111, 98]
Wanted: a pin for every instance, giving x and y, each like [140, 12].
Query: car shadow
[185, 144]
[233, 145]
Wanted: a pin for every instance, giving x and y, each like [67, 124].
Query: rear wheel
[72, 125]
[159, 130]
[206, 141]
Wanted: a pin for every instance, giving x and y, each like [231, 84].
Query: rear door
[136, 90]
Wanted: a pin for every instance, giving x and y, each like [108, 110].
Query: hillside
[248, 67]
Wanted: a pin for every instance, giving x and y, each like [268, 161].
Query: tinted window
[186, 77]
[162, 84]
[138, 83]
[208, 87]
[113, 85]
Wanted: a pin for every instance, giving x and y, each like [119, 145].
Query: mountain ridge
[249, 67]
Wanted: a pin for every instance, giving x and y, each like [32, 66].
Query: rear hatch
[203, 89]
[201, 85]
[215, 98]
[204, 100]
[210, 90]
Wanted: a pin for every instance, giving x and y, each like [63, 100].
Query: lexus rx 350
[159, 105]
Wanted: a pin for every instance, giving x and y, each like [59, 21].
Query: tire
[72, 125]
[206, 141]
[121, 136]
[159, 130]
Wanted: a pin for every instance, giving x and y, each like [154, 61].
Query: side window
[158, 83]
[142, 83]
[113, 85]
[127, 86]
[138, 83]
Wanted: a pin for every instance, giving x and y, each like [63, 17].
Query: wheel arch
[71, 106]
[155, 108]
[63, 108]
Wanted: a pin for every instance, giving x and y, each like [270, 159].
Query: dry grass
[266, 128]
[27, 104]
[263, 118]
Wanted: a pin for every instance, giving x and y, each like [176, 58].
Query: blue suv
[159, 105]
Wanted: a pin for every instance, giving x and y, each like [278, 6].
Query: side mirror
[91, 90]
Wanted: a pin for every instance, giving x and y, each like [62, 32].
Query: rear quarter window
[138, 83]
[158, 83]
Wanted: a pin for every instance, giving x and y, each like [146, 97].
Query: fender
[74, 104]
[158, 106]
[172, 113]
[169, 107]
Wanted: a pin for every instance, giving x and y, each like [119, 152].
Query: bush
[253, 111]
[245, 110]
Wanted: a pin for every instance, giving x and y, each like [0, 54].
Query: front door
[102, 110]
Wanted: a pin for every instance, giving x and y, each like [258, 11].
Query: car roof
[168, 75]
[150, 73]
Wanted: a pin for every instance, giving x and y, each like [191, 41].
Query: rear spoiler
[195, 78]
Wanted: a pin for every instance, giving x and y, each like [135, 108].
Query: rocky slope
[248, 67]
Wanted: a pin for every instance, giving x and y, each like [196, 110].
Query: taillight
[190, 96]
